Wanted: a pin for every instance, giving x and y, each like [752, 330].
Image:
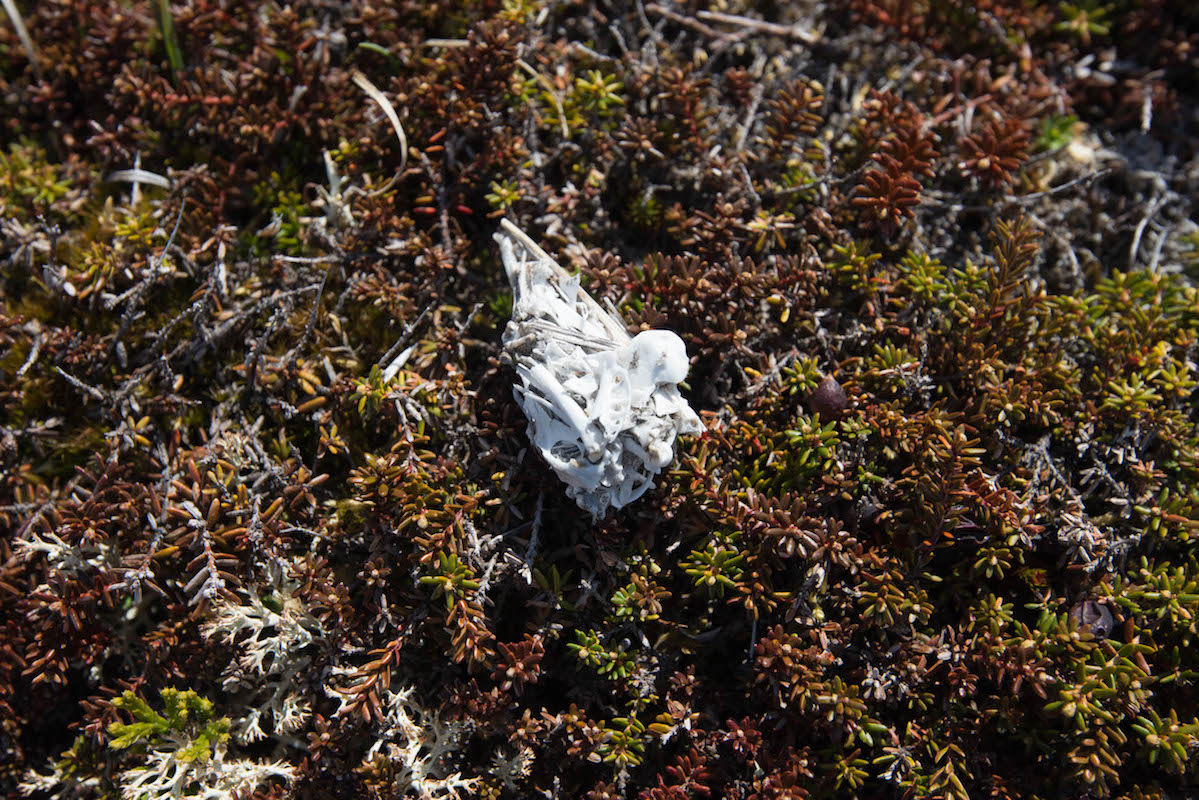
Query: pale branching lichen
[415, 748]
[184, 752]
[271, 629]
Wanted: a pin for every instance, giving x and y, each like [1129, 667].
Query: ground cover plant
[271, 523]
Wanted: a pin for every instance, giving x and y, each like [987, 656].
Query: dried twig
[81, 386]
[400, 342]
[311, 325]
[134, 295]
[372, 91]
[549, 88]
[685, 21]
[18, 24]
[772, 28]
[748, 25]
[137, 176]
[1135, 247]
[30, 359]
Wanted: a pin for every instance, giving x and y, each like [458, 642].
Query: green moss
[29, 184]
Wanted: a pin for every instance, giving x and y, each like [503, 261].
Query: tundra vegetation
[270, 524]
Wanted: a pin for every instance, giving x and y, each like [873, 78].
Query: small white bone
[603, 407]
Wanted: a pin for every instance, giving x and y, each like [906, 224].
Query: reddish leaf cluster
[995, 153]
[903, 150]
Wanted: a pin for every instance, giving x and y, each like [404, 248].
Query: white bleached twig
[372, 91]
[18, 24]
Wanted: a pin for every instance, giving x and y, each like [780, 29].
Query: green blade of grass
[166, 25]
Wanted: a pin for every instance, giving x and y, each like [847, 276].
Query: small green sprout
[622, 744]
[186, 715]
[617, 664]
[503, 194]
[1057, 131]
[454, 580]
[1085, 19]
[598, 94]
[715, 568]
[1167, 740]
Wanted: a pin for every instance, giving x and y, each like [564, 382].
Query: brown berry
[828, 399]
